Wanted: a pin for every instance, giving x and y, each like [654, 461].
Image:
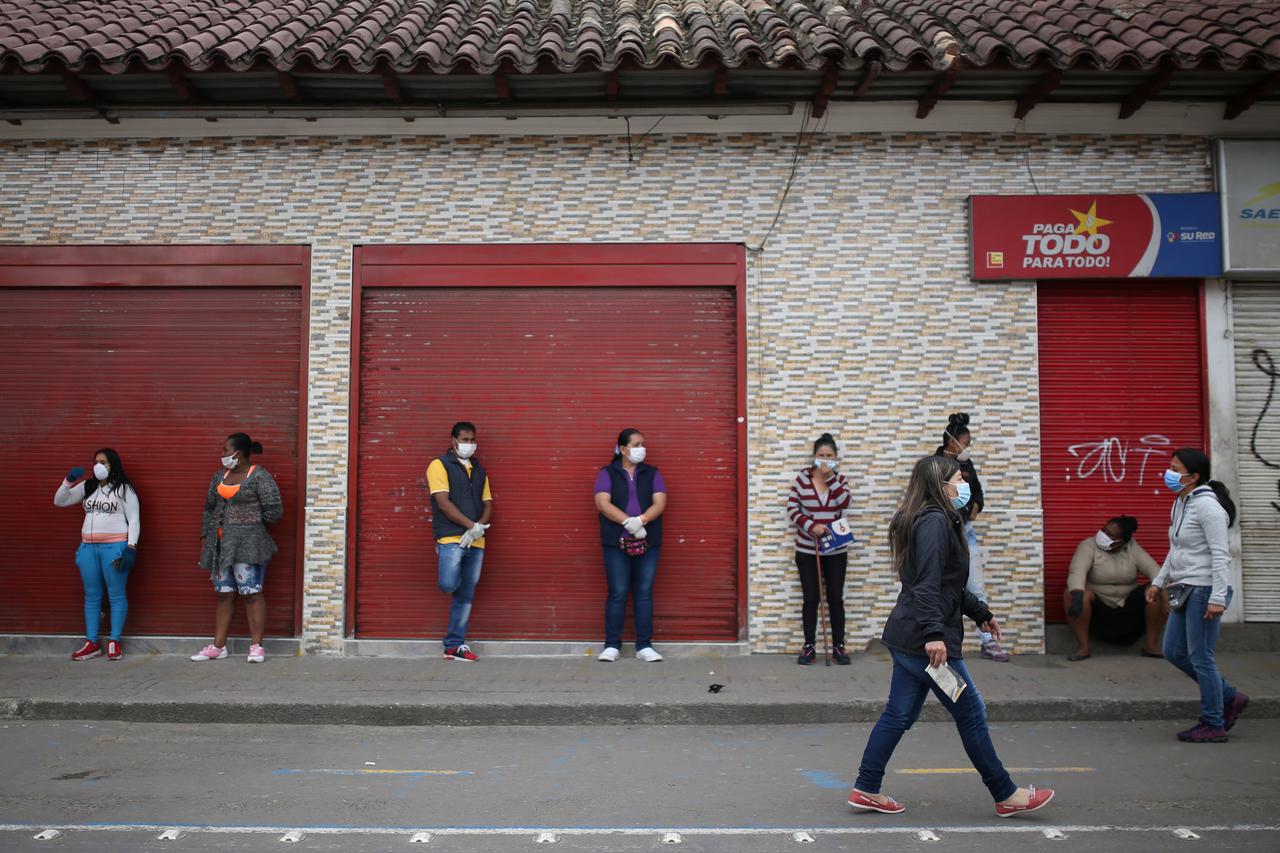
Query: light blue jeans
[458, 574]
[1189, 643]
[94, 560]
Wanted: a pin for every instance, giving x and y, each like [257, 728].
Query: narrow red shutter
[549, 375]
[162, 374]
[1121, 388]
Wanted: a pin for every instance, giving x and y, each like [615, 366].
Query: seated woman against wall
[1103, 594]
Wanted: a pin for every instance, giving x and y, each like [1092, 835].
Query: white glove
[633, 525]
[641, 533]
[473, 533]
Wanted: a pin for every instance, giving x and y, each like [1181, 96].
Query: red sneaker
[859, 800]
[1038, 800]
[88, 650]
[462, 653]
[115, 651]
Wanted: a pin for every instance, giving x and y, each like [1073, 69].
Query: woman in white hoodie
[108, 545]
[1196, 576]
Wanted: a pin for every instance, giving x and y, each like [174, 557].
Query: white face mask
[963, 455]
[101, 471]
[636, 454]
[466, 451]
[1104, 541]
[229, 461]
[829, 464]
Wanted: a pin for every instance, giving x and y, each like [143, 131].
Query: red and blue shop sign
[1175, 235]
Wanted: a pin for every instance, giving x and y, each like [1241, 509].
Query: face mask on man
[963, 494]
[1173, 481]
[466, 449]
[829, 464]
[101, 471]
[229, 461]
[1104, 541]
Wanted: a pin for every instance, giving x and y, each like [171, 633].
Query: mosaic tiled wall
[861, 319]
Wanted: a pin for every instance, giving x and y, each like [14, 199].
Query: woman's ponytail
[1224, 497]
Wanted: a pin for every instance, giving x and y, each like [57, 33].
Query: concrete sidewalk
[758, 689]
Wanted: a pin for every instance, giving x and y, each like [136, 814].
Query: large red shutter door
[1121, 388]
[549, 375]
[188, 345]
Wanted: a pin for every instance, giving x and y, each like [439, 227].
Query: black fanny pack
[1179, 595]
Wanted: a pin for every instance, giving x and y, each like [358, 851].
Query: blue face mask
[1173, 481]
[962, 495]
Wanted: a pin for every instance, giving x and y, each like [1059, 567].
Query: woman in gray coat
[242, 500]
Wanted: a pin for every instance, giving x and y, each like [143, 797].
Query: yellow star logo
[1090, 221]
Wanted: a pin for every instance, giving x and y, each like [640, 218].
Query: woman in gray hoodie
[1196, 575]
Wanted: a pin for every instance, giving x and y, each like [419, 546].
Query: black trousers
[833, 571]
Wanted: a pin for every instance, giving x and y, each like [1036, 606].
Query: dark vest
[466, 493]
[645, 474]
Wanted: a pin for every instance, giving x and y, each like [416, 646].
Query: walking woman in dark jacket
[926, 629]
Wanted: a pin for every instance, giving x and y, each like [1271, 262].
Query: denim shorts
[244, 578]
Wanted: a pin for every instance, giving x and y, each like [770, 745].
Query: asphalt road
[1121, 787]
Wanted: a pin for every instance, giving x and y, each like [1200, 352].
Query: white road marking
[1000, 828]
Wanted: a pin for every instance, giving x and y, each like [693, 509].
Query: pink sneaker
[210, 652]
[257, 654]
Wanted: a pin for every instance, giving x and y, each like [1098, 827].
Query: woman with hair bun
[1196, 576]
[242, 500]
[1103, 594]
[957, 444]
[819, 496]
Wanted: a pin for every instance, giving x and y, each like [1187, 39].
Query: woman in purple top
[631, 498]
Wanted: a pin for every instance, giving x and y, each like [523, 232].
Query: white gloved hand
[633, 524]
[641, 533]
[473, 533]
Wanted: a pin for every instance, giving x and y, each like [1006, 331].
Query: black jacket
[933, 601]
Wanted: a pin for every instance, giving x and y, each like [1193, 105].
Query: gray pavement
[112, 786]
[758, 689]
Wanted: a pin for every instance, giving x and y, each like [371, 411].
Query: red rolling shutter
[549, 373]
[1121, 388]
[159, 352]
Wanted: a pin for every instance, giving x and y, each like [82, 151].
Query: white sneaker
[648, 655]
[609, 655]
[210, 652]
[257, 654]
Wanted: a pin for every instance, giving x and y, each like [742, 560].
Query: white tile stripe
[1005, 828]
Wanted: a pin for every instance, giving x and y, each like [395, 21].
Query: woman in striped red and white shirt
[819, 496]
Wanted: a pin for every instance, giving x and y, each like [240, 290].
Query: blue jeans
[632, 575]
[1189, 642]
[458, 574]
[907, 693]
[94, 560]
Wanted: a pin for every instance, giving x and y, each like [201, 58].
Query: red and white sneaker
[1038, 799]
[115, 650]
[462, 653]
[210, 652]
[88, 650]
[859, 800]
